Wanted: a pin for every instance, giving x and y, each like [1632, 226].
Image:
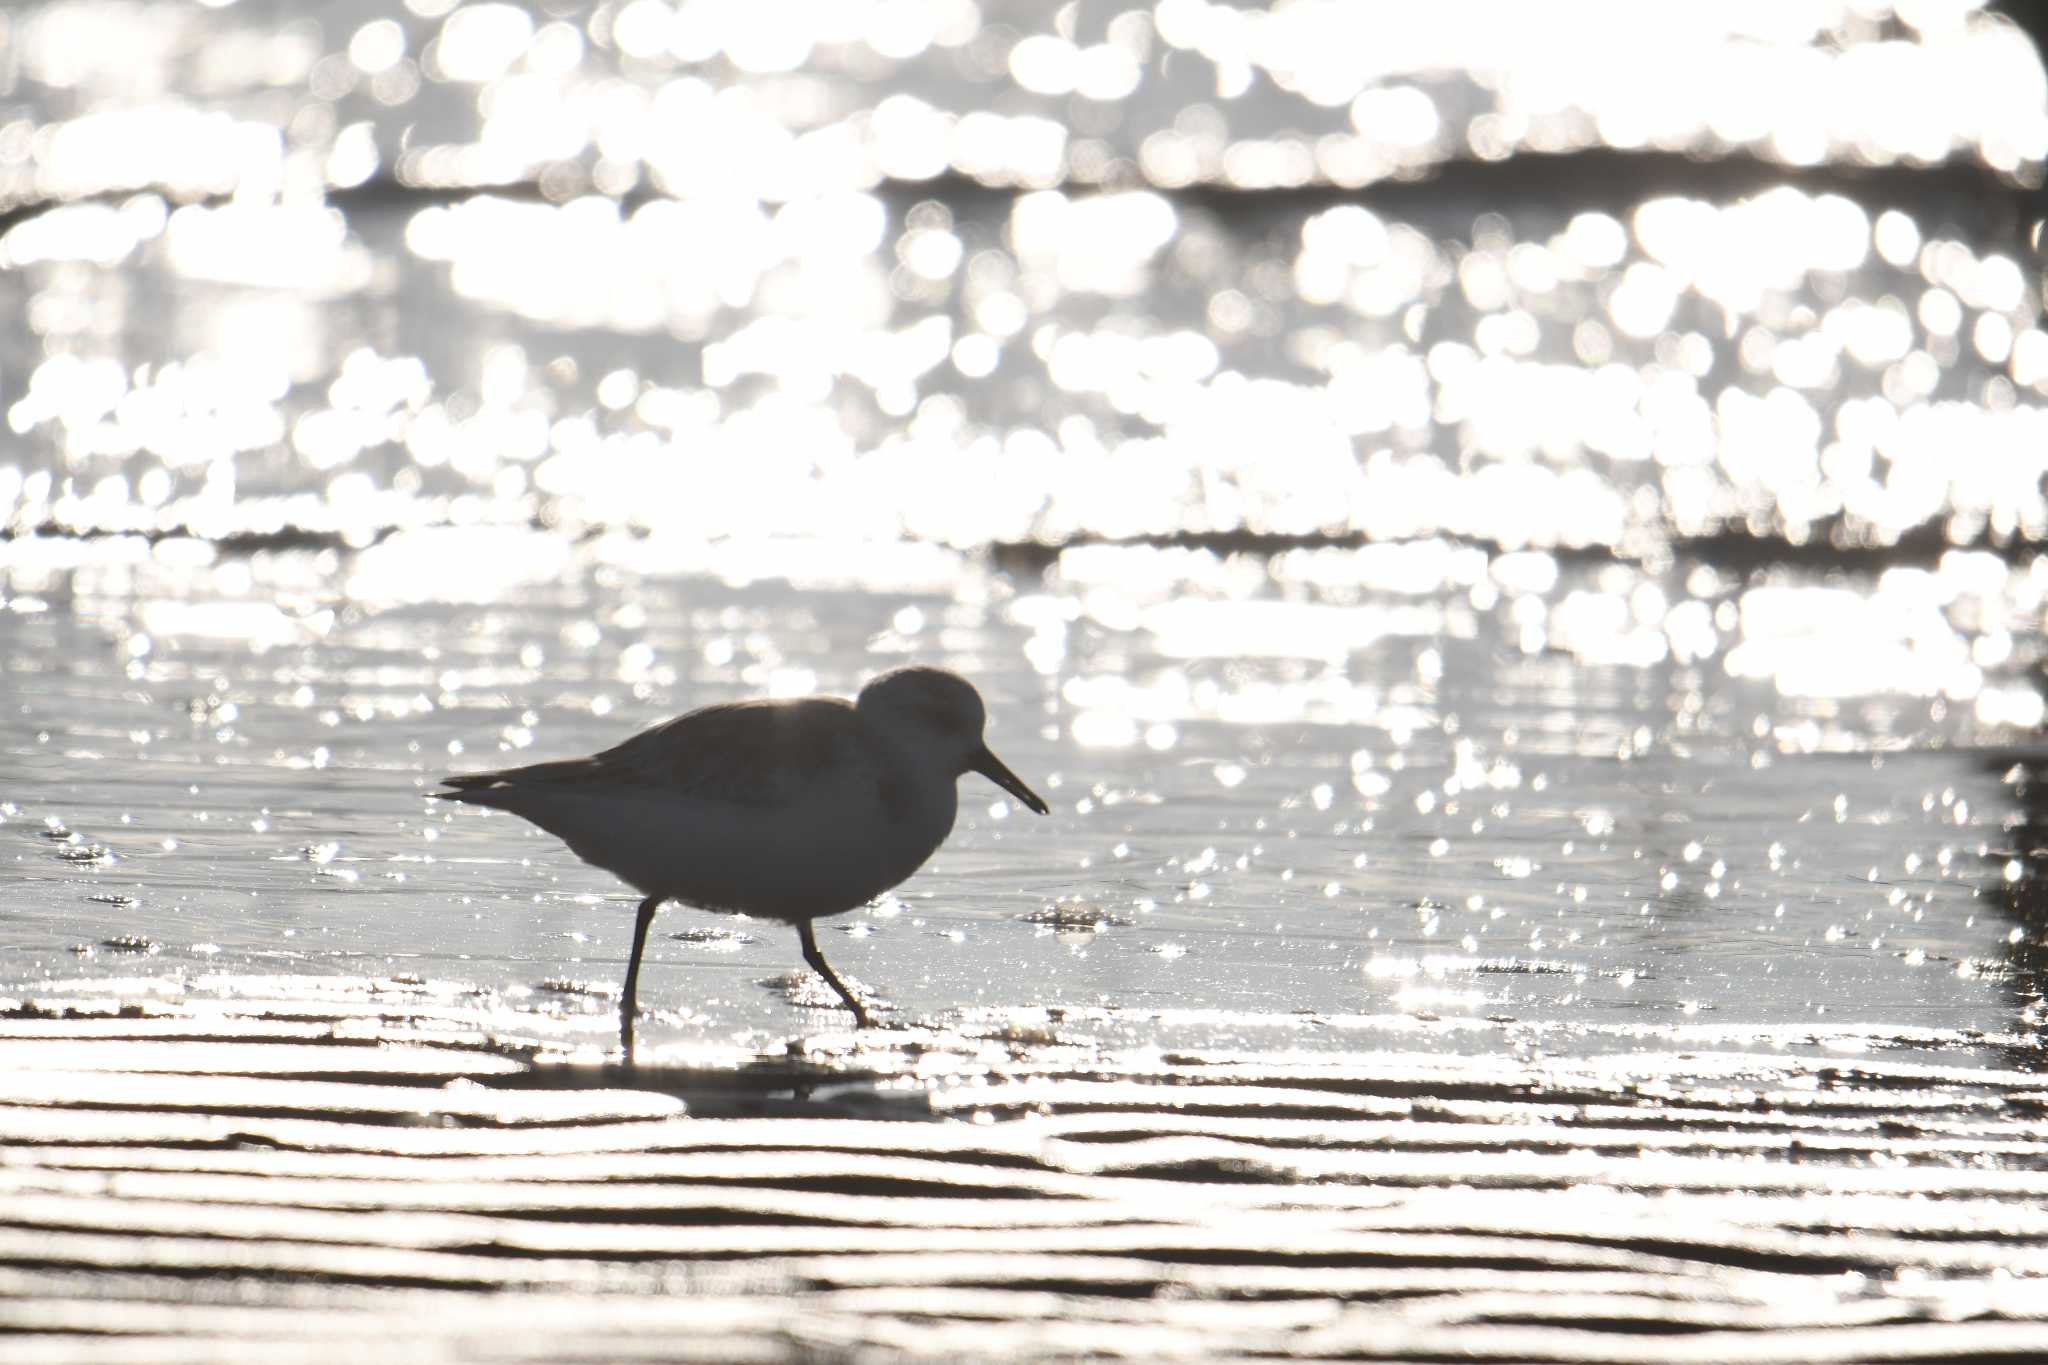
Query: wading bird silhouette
[787, 809]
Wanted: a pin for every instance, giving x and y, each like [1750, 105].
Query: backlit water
[1460, 620]
[1506, 533]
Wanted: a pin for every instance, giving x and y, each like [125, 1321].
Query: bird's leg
[824, 969]
[629, 1000]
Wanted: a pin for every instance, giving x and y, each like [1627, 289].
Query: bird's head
[939, 713]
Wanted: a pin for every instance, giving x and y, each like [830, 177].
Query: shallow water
[1411, 826]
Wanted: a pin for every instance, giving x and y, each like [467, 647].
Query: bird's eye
[944, 719]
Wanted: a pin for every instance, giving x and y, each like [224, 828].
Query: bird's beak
[993, 768]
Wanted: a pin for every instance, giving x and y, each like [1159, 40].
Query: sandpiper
[786, 809]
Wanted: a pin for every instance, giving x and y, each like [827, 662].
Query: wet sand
[380, 1179]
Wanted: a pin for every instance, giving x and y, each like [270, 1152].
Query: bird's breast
[909, 818]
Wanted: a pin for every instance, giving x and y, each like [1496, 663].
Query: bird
[789, 809]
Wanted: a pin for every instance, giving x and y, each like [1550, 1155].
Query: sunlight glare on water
[1341, 775]
[1106, 365]
[1506, 536]
[1470, 605]
[784, 101]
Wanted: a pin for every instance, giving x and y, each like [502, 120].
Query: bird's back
[749, 752]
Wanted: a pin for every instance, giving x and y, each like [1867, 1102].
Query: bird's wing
[749, 751]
